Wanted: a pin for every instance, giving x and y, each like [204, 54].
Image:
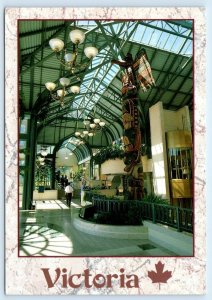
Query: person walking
[69, 191]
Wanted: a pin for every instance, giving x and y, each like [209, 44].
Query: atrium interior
[105, 107]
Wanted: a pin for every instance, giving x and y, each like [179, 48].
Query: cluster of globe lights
[42, 155]
[61, 93]
[77, 37]
[41, 160]
[94, 125]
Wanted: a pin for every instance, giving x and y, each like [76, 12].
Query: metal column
[30, 163]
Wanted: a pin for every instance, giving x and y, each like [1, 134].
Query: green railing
[173, 216]
[180, 218]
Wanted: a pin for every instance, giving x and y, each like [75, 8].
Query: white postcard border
[23, 275]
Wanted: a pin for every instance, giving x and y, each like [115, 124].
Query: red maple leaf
[159, 276]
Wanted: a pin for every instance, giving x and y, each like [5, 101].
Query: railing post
[153, 213]
[178, 218]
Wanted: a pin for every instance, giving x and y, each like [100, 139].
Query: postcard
[105, 151]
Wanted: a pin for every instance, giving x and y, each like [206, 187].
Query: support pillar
[53, 171]
[30, 163]
[91, 168]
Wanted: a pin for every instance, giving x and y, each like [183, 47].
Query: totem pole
[137, 74]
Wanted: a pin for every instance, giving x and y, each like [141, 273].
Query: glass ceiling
[93, 88]
[72, 143]
[158, 38]
[160, 34]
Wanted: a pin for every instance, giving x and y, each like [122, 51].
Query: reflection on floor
[48, 231]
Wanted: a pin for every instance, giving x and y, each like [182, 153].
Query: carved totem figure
[136, 74]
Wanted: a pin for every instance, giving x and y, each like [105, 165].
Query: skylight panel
[170, 42]
[137, 36]
[95, 63]
[161, 39]
[188, 48]
[107, 29]
[157, 23]
[101, 72]
[147, 35]
[116, 27]
[82, 89]
[124, 29]
[155, 38]
[171, 27]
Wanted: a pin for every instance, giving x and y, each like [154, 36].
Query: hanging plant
[110, 152]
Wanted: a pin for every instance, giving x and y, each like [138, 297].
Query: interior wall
[159, 152]
[147, 164]
[177, 120]
[162, 121]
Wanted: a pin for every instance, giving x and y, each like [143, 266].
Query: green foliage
[131, 217]
[134, 215]
[42, 175]
[153, 198]
[110, 152]
[78, 175]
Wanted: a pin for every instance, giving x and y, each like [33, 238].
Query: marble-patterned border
[23, 275]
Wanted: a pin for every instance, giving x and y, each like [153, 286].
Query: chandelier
[92, 125]
[41, 156]
[74, 141]
[69, 61]
[43, 150]
[40, 160]
[60, 93]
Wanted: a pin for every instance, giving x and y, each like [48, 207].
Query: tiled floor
[48, 231]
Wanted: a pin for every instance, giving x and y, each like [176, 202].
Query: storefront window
[180, 163]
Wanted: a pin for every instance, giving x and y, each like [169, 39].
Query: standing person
[65, 181]
[62, 181]
[69, 191]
